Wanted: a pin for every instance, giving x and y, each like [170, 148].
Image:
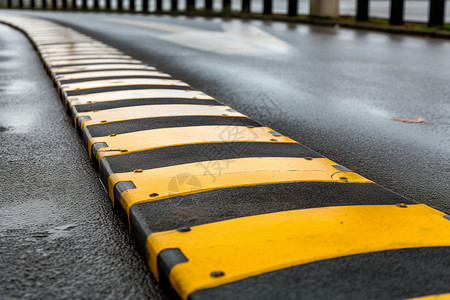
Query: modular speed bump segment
[223, 207]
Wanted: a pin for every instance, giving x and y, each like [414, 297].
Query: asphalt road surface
[334, 90]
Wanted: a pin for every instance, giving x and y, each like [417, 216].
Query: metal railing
[436, 16]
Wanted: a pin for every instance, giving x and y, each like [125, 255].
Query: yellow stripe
[155, 111]
[136, 94]
[99, 67]
[434, 297]
[163, 137]
[210, 175]
[74, 51]
[93, 75]
[91, 61]
[58, 35]
[120, 82]
[53, 41]
[254, 245]
[56, 41]
[70, 46]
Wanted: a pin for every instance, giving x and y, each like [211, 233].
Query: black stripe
[167, 259]
[235, 202]
[163, 122]
[393, 274]
[124, 88]
[63, 82]
[185, 154]
[137, 102]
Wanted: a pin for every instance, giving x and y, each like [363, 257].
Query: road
[334, 90]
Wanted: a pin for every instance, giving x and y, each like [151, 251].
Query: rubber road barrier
[224, 207]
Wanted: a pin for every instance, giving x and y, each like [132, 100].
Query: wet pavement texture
[333, 90]
[59, 236]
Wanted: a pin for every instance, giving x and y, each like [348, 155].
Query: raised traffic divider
[224, 207]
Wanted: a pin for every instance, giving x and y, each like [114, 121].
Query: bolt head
[217, 274]
[184, 229]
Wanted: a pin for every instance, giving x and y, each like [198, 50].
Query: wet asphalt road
[334, 90]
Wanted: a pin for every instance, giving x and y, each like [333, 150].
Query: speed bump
[151, 184]
[98, 67]
[155, 138]
[85, 61]
[83, 88]
[135, 94]
[223, 252]
[153, 111]
[224, 207]
[79, 77]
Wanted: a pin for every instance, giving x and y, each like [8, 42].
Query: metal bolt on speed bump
[308, 158]
[154, 195]
[402, 205]
[274, 133]
[344, 178]
[217, 274]
[138, 171]
[184, 229]
[112, 134]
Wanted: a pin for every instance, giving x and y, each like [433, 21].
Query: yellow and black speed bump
[223, 207]
[87, 107]
[124, 84]
[116, 99]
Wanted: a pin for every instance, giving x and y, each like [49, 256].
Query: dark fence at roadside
[436, 11]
